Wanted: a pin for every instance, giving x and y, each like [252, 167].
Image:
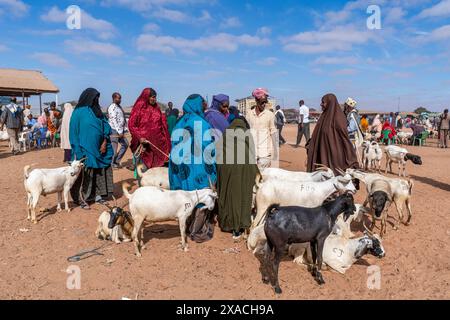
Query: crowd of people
[190, 145]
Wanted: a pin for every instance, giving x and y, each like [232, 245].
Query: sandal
[85, 206]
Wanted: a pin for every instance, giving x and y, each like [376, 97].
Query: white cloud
[442, 9]
[439, 34]
[205, 17]
[51, 59]
[104, 29]
[151, 27]
[232, 22]
[172, 15]
[270, 61]
[345, 72]
[88, 47]
[140, 5]
[222, 42]
[336, 60]
[3, 48]
[264, 31]
[395, 15]
[14, 7]
[338, 39]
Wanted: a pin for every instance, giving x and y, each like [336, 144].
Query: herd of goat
[304, 215]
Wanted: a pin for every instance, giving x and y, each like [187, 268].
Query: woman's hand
[103, 147]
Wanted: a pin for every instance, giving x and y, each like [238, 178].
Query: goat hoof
[34, 221]
[320, 280]
[265, 280]
[138, 254]
[278, 290]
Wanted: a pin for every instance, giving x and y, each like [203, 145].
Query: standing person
[118, 125]
[330, 144]
[234, 113]
[169, 109]
[303, 124]
[364, 124]
[444, 128]
[280, 121]
[172, 120]
[12, 117]
[148, 128]
[353, 121]
[264, 132]
[192, 163]
[217, 115]
[26, 112]
[90, 139]
[376, 127]
[65, 136]
[52, 110]
[51, 128]
[236, 178]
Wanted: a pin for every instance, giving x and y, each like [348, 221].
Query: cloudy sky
[297, 49]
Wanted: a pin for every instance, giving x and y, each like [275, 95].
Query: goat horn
[115, 201]
[211, 186]
[83, 159]
[367, 229]
[107, 205]
[341, 172]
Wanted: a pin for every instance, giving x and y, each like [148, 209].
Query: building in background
[244, 105]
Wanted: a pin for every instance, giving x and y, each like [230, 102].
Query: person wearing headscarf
[148, 128]
[172, 120]
[364, 124]
[192, 163]
[262, 126]
[387, 126]
[218, 113]
[89, 135]
[330, 144]
[65, 136]
[376, 126]
[234, 113]
[236, 175]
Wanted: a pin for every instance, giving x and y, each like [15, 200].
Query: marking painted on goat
[307, 188]
[187, 206]
[341, 252]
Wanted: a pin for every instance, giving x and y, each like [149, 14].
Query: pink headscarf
[260, 93]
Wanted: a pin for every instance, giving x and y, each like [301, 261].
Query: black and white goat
[290, 225]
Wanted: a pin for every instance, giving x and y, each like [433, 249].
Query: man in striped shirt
[117, 122]
[12, 117]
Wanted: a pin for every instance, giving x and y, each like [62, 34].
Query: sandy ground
[34, 263]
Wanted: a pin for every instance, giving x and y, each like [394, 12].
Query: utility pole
[398, 108]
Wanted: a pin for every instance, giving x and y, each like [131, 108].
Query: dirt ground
[34, 262]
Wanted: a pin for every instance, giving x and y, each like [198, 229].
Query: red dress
[387, 126]
[150, 123]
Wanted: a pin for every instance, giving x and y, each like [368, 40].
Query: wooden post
[40, 103]
[23, 99]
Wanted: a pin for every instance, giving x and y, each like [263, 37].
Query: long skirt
[93, 183]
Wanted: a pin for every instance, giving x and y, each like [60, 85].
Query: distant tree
[421, 110]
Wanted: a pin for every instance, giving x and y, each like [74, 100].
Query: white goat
[373, 156]
[340, 253]
[403, 137]
[305, 194]
[49, 181]
[395, 154]
[285, 175]
[155, 177]
[342, 228]
[401, 190]
[157, 205]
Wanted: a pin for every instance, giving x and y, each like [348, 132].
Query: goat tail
[273, 209]
[139, 168]
[26, 171]
[125, 187]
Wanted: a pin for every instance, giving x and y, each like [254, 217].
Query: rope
[79, 256]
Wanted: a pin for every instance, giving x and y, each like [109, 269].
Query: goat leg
[320, 244]
[278, 253]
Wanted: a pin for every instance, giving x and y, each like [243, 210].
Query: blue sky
[297, 49]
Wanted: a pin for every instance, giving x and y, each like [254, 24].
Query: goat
[403, 137]
[322, 174]
[158, 205]
[289, 225]
[342, 228]
[306, 194]
[340, 253]
[379, 196]
[155, 177]
[115, 224]
[401, 190]
[395, 154]
[372, 156]
[49, 181]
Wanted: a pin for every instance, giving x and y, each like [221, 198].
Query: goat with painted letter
[154, 204]
[395, 154]
[290, 193]
[48, 181]
[290, 225]
[320, 175]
